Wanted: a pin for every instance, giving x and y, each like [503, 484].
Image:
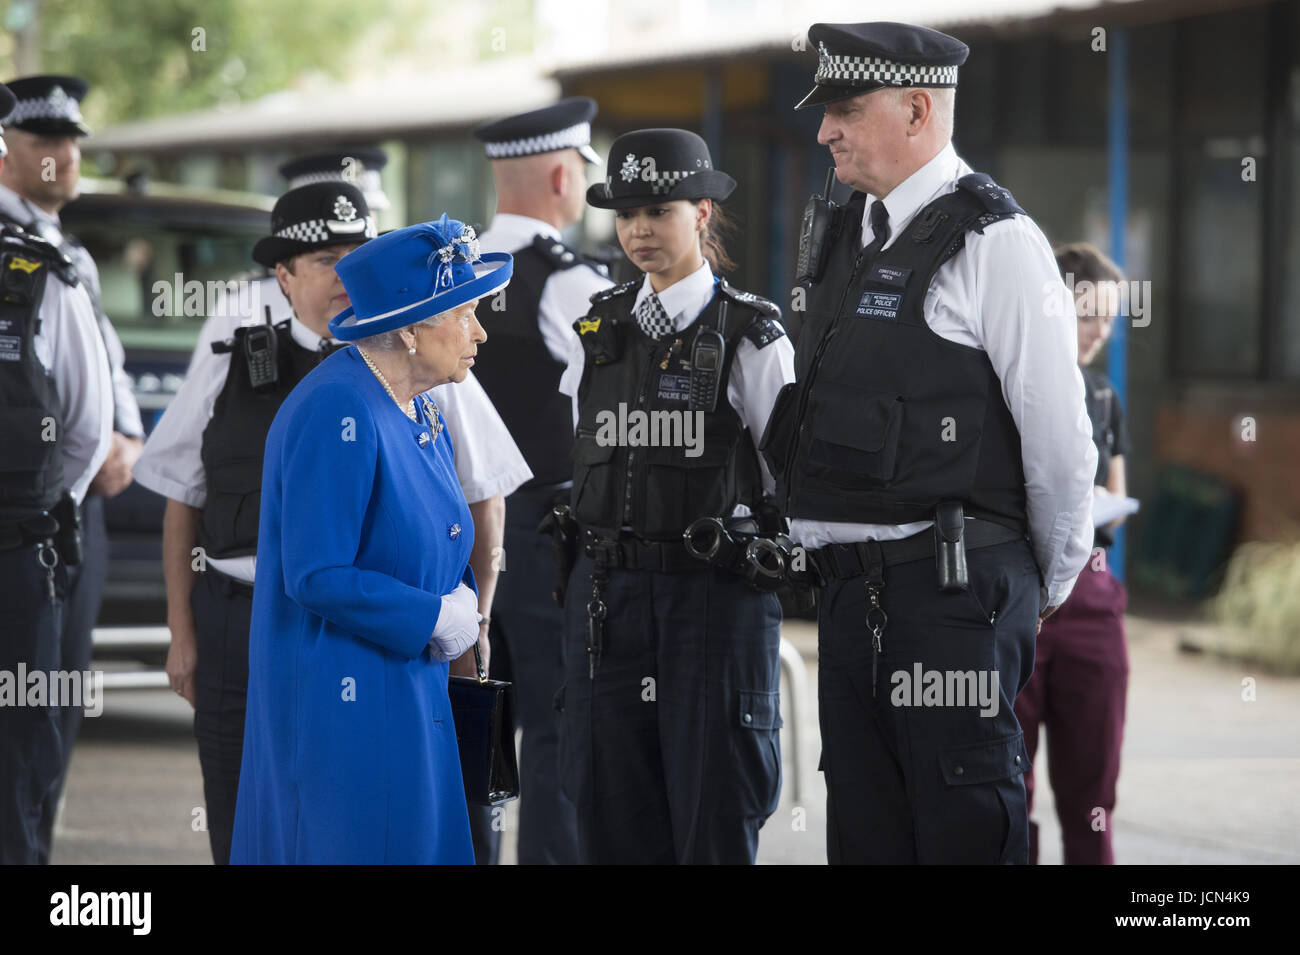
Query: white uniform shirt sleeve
[566, 297]
[127, 410]
[488, 462]
[171, 464]
[1007, 286]
[757, 375]
[71, 347]
[572, 377]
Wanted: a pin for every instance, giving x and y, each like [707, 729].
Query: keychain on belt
[48, 558]
[876, 616]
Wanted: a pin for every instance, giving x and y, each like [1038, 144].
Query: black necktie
[328, 347]
[879, 227]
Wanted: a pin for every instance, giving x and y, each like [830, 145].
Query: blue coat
[350, 749]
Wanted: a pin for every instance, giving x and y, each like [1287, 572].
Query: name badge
[889, 275]
[674, 387]
[882, 306]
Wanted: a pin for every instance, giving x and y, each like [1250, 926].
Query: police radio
[814, 231]
[260, 351]
[706, 364]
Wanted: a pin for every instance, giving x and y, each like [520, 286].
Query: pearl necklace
[409, 408]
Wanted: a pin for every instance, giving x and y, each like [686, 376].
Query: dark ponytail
[719, 228]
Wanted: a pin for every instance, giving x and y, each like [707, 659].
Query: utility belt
[53, 536]
[60, 525]
[946, 543]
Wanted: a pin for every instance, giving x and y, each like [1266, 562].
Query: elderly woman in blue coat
[363, 591]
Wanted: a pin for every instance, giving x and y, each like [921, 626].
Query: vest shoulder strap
[764, 324]
[559, 256]
[28, 252]
[226, 345]
[609, 294]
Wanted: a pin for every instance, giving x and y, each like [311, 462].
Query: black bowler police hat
[359, 165]
[7, 100]
[313, 217]
[562, 125]
[47, 105]
[658, 165]
[856, 58]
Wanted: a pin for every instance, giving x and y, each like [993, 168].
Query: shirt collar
[916, 192]
[304, 336]
[684, 299]
[516, 231]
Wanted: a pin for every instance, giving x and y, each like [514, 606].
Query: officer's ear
[920, 108]
[703, 212]
[284, 268]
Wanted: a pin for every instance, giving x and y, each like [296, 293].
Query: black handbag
[485, 732]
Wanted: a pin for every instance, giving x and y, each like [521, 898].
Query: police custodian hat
[562, 125]
[856, 58]
[313, 217]
[47, 105]
[659, 165]
[359, 165]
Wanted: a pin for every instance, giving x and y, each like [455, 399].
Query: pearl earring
[411, 350]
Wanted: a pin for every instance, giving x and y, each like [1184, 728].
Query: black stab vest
[886, 418]
[234, 444]
[655, 492]
[31, 415]
[520, 374]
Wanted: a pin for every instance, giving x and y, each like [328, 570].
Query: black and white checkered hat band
[47, 107]
[315, 231]
[662, 182]
[570, 138]
[861, 70]
[368, 181]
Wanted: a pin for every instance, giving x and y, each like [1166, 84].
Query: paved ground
[1207, 777]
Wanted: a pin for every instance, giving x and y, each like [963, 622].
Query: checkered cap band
[56, 105]
[368, 181]
[316, 231]
[861, 70]
[570, 138]
[660, 184]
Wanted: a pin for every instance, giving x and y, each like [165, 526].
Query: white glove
[457, 628]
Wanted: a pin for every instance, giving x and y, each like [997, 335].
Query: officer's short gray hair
[945, 104]
[392, 341]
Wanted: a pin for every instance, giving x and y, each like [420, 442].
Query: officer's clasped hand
[457, 628]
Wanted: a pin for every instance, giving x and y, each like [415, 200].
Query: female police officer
[671, 711]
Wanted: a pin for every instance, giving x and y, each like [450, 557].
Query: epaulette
[604, 295]
[556, 252]
[34, 250]
[994, 198]
[764, 307]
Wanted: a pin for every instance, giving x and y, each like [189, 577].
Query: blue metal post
[1117, 181]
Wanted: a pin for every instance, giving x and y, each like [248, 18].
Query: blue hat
[856, 58]
[411, 274]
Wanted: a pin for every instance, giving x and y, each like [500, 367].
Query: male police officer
[41, 175]
[56, 427]
[539, 163]
[937, 419]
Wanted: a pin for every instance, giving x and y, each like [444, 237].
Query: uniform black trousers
[532, 625]
[80, 613]
[917, 771]
[223, 613]
[672, 751]
[30, 747]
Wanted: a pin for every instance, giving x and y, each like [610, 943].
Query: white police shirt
[48, 227]
[487, 460]
[566, 296]
[757, 374]
[70, 348]
[1002, 293]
